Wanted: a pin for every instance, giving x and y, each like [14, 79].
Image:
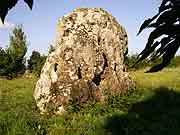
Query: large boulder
[87, 62]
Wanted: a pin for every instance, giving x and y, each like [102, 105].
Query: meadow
[153, 108]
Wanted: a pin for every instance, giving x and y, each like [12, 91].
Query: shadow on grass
[157, 115]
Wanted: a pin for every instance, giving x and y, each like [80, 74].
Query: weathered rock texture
[87, 62]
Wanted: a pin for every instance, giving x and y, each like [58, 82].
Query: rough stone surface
[87, 62]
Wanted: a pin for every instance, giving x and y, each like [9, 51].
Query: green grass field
[152, 109]
[169, 78]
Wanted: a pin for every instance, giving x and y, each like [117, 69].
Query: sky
[40, 23]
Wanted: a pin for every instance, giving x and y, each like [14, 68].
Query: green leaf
[170, 52]
[166, 23]
[162, 9]
[5, 6]
[158, 32]
[176, 2]
[146, 23]
[163, 5]
[147, 51]
[3, 13]
[11, 4]
[150, 46]
[29, 3]
[168, 17]
[153, 25]
[167, 57]
[165, 43]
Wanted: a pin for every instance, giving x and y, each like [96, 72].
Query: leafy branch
[166, 24]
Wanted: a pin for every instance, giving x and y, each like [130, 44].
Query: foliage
[18, 43]
[6, 5]
[36, 62]
[166, 24]
[3, 60]
[175, 62]
[13, 58]
[131, 59]
[146, 63]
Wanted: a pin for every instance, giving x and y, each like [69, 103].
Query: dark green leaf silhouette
[6, 5]
[29, 3]
[146, 23]
[166, 26]
[3, 13]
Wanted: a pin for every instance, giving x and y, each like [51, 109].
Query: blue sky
[40, 23]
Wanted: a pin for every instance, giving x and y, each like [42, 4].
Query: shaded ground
[156, 115]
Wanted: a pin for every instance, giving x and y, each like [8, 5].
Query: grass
[17, 108]
[169, 77]
[153, 108]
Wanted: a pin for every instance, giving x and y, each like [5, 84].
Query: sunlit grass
[152, 109]
[169, 77]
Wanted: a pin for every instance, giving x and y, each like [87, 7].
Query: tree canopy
[12, 59]
[36, 62]
[164, 40]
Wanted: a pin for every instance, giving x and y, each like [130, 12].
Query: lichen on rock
[88, 61]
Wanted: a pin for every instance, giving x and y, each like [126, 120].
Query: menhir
[87, 62]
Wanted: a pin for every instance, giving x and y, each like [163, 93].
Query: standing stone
[87, 62]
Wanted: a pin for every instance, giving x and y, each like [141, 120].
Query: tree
[36, 62]
[17, 51]
[3, 61]
[18, 43]
[166, 24]
[13, 63]
[33, 61]
[6, 5]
